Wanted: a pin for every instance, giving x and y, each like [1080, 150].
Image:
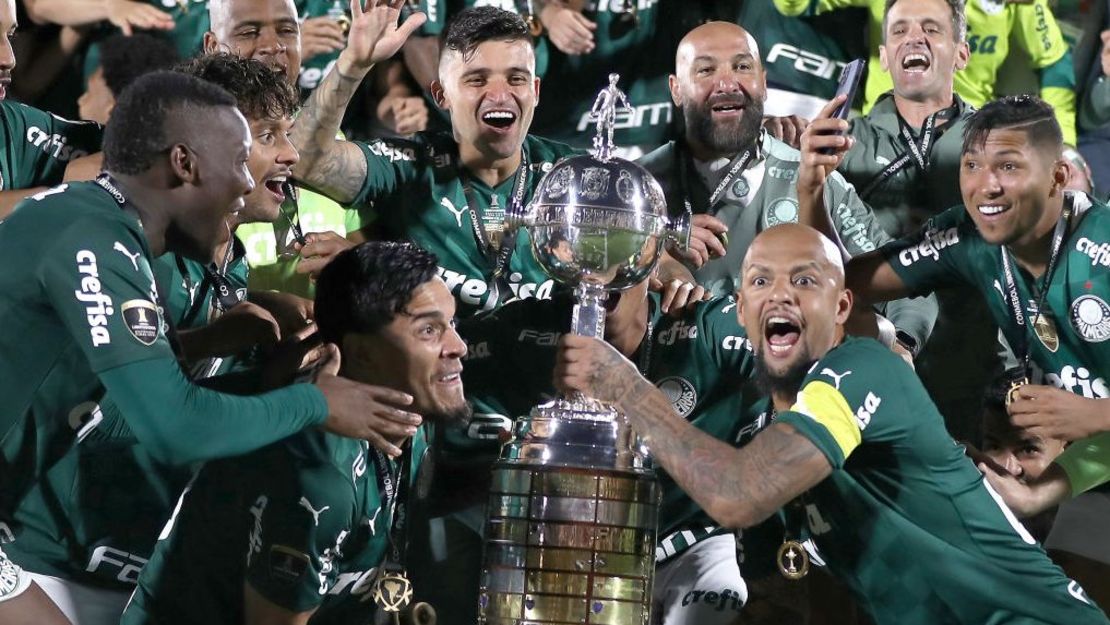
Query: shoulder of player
[543, 153]
[660, 161]
[422, 147]
[318, 456]
[79, 207]
[863, 356]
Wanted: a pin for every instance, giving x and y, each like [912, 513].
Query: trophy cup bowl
[574, 503]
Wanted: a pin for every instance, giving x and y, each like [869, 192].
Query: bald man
[857, 457]
[734, 178]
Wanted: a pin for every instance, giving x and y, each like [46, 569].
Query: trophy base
[579, 432]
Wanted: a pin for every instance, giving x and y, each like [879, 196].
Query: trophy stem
[588, 318]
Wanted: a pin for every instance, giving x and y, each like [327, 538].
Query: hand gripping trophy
[571, 523]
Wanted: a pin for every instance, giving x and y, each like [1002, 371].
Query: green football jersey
[960, 358]
[418, 195]
[37, 145]
[302, 521]
[702, 362]
[314, 68]
[763, 195]
[905, 519]
[641, 51]
[949, 250]
[190, 22]
[83, 300]
[94, 516]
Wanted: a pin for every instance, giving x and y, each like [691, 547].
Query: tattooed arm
[338, 168]
[737, 487]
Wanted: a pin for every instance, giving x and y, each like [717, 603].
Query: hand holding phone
[850, 78]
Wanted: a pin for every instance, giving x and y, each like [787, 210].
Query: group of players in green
[316, 476]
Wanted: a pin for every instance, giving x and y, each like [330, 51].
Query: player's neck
[148, 202]
[1032, 252]
[914, 112]
[626, 330]
[490, 171]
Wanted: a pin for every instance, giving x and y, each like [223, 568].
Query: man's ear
[210, 42]
[1061, 176]
[740, 309]
[883, 60]
[676, 97]
[843, 306]
[440, 97]
[963, 54]
[184, 164]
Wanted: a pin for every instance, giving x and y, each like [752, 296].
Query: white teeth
[912, 58]
[278, 179]
[498, 115]
[779, 349]
[778, 320]
[991, 209]
[449, 378]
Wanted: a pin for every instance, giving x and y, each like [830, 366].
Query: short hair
[959, 18]
[124, 58]
[136, 133]
[477, 25]
[1015, 112]
[261, 92]
[364, 288]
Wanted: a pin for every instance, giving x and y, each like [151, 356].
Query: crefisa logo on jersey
[98, 306]
[930, 246]
[1090, 316]
[682, 394]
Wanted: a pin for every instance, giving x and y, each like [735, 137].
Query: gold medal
[792, 559]
[1012, 394]
[1045, 330]
[392, 591]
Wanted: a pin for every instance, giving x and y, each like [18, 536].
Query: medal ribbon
[395, 494]
[501, 256]
[739, 163]
[108, 183]
[918, 149]
[1013, 298]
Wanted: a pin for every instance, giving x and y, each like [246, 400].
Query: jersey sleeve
[99, 281]
[297, 537]
[37, 145]
[1095, 111]
[389, 162]
[937, 255]
[724, 338]
[859, 231]
[849, 396]
[1036, 32]
[1087, 462]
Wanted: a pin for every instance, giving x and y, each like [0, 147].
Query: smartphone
[850, 78]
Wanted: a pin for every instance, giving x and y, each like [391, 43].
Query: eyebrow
[259, 23]
[434, 314]
[811, 264]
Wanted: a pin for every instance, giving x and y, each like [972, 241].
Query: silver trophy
[571, 523]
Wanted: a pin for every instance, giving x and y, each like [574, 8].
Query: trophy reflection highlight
[573, 509]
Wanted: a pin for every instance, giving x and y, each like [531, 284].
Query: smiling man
[446, 191]
[883, 494]
[274, 537]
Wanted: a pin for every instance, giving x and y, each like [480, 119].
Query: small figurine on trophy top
[610, 100]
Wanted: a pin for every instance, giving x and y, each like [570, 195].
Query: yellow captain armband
[823, 403]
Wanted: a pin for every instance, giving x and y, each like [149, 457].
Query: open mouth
[276, 186]
[781, 334]
[726, 106]
[915, 63]
[5, 80]
[499, 118]
[450, 379]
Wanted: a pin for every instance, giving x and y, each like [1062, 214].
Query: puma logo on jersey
[457, 212]
[307, 505]
[98, 306]
[134, 258]
[836, 378]
[372, 522]
[998, 287]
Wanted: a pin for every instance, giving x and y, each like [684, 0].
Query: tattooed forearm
[336, 168]
[737, 487]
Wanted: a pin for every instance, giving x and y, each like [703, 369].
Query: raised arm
[338, 168]
[720, 478]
